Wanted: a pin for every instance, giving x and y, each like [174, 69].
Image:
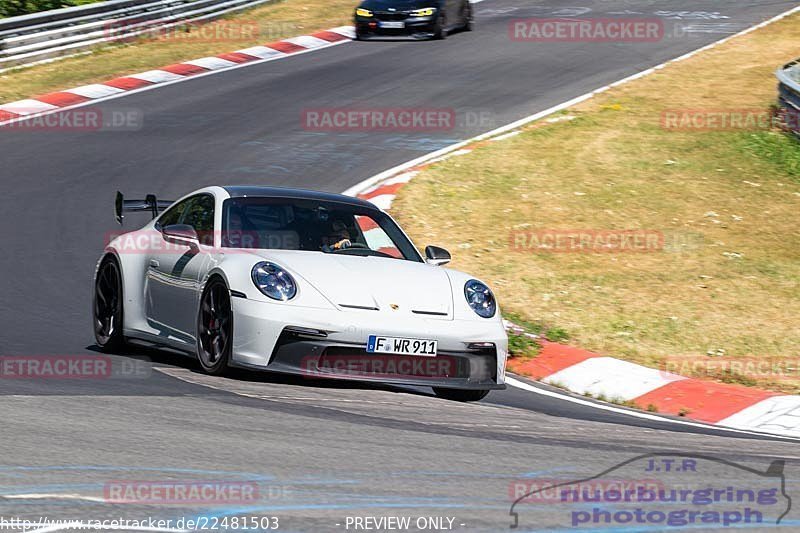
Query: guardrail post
[789, 96]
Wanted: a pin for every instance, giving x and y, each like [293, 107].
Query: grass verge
[719, 295]
[271, 22]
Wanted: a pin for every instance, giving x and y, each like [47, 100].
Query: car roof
[257, 191]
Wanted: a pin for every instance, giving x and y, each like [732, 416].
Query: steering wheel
[353, 246]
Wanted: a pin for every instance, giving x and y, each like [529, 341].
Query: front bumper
[321, 343]
[412, 25]
[317, 358]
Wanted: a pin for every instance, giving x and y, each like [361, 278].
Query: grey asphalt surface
[320, 452]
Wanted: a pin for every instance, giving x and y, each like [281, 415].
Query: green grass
[776, 148]
[522, 346]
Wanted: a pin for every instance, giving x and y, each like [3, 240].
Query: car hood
[370, 282]
[400, 5]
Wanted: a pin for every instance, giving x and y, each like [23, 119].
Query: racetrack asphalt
[327, 450]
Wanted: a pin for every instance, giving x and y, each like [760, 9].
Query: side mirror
[181, 234]
[436, 256]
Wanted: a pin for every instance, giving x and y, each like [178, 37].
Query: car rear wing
[150, 203]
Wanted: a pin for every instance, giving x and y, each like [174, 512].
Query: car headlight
[361, 12]
[425, 12]
[480, 298]
[274, 281]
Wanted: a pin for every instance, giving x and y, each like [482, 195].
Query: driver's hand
[343, 244]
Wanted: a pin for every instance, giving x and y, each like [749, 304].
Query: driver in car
[337, 239]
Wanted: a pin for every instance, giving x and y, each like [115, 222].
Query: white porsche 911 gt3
[301, 282]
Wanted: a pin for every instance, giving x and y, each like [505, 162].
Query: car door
[177, 268]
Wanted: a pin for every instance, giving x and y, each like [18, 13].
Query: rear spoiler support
[150, 203]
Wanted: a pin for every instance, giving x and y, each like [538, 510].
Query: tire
[460, 395]
[360, 36]
[469, 17]
[107, 306]
[215, 328]
[440, 32]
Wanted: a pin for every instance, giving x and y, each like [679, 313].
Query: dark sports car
[416, 18]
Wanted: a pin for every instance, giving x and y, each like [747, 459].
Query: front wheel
[460, 395]
[440, 30]
[107, 306]
[469, 17]
[215, 328]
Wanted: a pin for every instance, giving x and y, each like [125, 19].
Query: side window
[199, 214]
[173, 214]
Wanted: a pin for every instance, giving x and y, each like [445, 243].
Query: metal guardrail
[30, 39]
[789, 95]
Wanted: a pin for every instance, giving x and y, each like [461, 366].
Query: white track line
[37, 496]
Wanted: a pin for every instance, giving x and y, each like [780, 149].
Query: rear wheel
[460, 395]
[107, 305]
[215, 328]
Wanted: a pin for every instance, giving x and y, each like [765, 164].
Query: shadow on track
[164, 357]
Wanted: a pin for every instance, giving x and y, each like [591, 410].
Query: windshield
[314, 226]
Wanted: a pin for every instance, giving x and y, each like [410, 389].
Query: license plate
[392, 25]
[401, 346]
